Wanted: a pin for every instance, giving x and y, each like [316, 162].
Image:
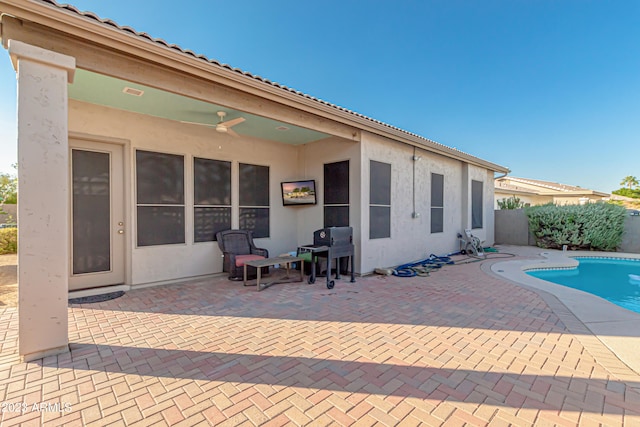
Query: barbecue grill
[331, 243]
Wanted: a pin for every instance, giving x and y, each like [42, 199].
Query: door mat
[96, 298]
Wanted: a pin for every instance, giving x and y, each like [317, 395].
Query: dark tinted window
[476, 204]
[256, 220]
[437, 220]
[336, 194]
[380, 186]
[336, 216]
[254, 185]
[91, 211]
[160, 178]
[212, 198]
[379, 222]
[336, 183]
[160, 198]
[379, 200]
[254, 199]
[160, 225]
[211, 182]
[437, 190]
[437, 203]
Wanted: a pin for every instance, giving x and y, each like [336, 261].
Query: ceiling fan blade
[233, 122]
[197, 123]
[232, 132]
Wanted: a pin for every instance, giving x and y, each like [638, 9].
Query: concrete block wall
[631, 236]
[11, 215]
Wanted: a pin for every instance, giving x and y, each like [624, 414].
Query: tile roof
[109, 22]
[511, 182]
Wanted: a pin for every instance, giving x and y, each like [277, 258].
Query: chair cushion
[241, 259]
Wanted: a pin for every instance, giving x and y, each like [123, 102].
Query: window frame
[244, 208]
[437, 206]
[155, 202]
[336, 208]
[198, 202]
[379, 200]
[477, 201]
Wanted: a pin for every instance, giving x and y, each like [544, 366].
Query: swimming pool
[607, 278]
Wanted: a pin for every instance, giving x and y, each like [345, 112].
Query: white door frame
[119, 226]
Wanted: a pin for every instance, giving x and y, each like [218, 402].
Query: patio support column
[43, 204]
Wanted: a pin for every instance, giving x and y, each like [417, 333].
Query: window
[159, 198]
[476, 204]
[379, 200]
[254, 199]
[211, 198]
[437, 203]
[336, 194]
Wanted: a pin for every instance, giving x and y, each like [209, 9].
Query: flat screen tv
[298, 193]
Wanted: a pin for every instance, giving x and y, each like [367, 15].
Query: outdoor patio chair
[237, 248]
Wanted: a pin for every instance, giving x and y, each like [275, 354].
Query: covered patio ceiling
[111, 92]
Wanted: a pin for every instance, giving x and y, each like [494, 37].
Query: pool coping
[615, 327]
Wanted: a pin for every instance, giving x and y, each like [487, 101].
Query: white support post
[43, 204]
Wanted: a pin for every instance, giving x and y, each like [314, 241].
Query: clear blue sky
[548, 88]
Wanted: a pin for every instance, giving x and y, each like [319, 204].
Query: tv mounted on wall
[298, 193]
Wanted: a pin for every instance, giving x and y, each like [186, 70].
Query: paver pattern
[459, 347]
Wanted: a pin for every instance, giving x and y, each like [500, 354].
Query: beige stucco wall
[411, 238]
[575, 200]
[524, 198]
[168, 262]
[313, 157]
[486, 233]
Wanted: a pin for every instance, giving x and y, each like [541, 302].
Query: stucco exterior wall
[169, 262]
[576, 200]
[313, 157]
[411, 238]
[524, 198]
[475, 173]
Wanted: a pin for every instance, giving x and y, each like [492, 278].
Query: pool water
[606, 278]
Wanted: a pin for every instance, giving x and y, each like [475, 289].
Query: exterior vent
[132, 91]
[282, 128]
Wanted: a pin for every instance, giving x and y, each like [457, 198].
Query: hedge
[593, 226]
[8, 241]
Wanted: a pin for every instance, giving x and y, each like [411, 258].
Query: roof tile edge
[420, 139]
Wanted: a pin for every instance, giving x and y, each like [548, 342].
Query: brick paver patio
[457, 348]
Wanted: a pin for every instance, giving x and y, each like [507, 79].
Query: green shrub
[512, 202]
[628, 192]
[8, 241]
[594, 226]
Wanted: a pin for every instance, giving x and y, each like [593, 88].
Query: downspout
[415, 158]
[501, 176]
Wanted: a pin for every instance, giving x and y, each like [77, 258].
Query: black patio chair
[237, 248]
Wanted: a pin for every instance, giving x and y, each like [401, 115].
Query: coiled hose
[422, 267]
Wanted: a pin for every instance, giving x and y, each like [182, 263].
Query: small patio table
[269, 262]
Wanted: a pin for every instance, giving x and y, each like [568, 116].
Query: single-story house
[133, 152]
[536, 192]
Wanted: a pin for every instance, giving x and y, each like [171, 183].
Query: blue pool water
[606, 278]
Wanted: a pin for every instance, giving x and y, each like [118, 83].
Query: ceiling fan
[222, 126]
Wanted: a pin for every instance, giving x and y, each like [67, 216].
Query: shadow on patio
[390, 378]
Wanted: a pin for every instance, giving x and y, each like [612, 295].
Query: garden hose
[422, 267]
